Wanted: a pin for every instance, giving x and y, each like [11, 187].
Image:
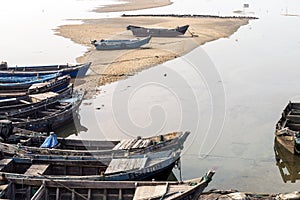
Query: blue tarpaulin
[50, 141]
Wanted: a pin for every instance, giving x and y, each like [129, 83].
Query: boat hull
[120, 44]
[288, 128]
[157, 32]
[72, 70]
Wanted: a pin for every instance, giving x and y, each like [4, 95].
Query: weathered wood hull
[13, 105]
[109, 190]
[157, 32]
[149, 166]
[53, 85]
[288, 128]
[72, 70]
[287, 163]
[86, 148]
[48, 118]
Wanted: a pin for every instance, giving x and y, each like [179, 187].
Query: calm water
[229, 93]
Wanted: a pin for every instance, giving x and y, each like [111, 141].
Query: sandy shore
[109, 66]
[133, 5]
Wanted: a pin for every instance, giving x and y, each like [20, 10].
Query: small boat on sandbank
[139, 31]
[120, 44]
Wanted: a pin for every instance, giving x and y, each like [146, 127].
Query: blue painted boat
[46, 117]
[157, 165]
[53, 85]
[120, 44]
[24, 81]
[78, 70]
[139, 31]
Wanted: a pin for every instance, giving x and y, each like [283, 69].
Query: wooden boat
[78, 70]
[53, 85]
[30, 145]
[13, 82]
[287, 163]
[288, 127]
[46, 118]
[120, 44]
[12, 105]
[109, 190]
[152, 165]
[157, 32]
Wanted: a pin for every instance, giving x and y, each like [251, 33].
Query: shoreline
[131, 5]
[111, 66]
[108, 71]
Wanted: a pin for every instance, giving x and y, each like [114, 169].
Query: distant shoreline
[131, 5]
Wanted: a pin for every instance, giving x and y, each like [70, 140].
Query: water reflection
[72, 128]
[287, 163]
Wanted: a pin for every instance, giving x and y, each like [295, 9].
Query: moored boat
[78, 70]
[18, 82]
[109, 190]
[288, 127]
[53, 85]
[12, 105]
[287, 163]
[24, 144]
[46, 118]
[120, 44]
[139, 31]
[148, 166]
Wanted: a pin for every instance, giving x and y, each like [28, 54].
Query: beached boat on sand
[109, 190]
[288, 127]
[78, 70]
[120, 44]
[31, 146]
[139, 31]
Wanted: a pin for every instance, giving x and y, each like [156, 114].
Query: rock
[234, 196]
[290, 196]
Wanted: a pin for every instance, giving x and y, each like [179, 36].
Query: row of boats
[36, 164]
[39, 98]
[139, 31]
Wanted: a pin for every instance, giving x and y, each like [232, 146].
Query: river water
[229, 93]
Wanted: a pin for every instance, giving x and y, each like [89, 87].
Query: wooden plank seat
[150, 192]
[5, 162]
[36, 169]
